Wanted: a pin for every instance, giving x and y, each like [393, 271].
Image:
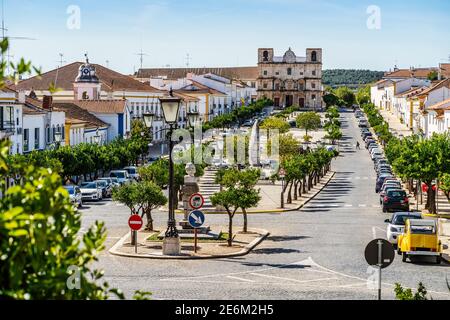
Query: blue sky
[228, 32]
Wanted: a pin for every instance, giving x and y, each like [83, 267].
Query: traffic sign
[282, 173]
[379, 252]
[135, 222]
[196, 201]
[196, 219]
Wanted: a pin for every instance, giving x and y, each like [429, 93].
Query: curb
[440, 216]
[244, 251]
[446, 257]
[273, 210]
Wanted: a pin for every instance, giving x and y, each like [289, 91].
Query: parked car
[396, 225]
[380, 181]
[105, 187]
[368, 142]
[375, 152]
[363, 124]
[395, 200]
[111, 181]
[121, 175]
[248, 123]
[90, 191]
[420, 238]
[385, 188]
[75, 195]
[132, 172]
[381, 161]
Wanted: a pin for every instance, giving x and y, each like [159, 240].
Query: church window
[265, 55]
[314, 56]
[314, 72]
[85, 95]
[289, 71]
[265, 72]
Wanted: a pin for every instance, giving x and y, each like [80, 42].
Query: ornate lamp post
[170, 107]
[57, 139]
[97, 137]
[193, 118]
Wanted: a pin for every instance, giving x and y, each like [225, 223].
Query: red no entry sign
[196, 201]
[135, 222]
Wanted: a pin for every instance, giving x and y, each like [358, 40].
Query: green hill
[350, 77]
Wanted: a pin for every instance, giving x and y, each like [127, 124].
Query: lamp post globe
[148, 119]
[193, 118]
[170, 107]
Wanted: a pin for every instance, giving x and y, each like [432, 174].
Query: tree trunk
[296, 190]
[289, 197]
[431, 200]
[149, 226]
[230, 230]
[304, 184]
[244, 214]
[300, 189]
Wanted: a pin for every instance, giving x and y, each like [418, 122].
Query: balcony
[7, 126]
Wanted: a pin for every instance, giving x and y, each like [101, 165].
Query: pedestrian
[357, 145]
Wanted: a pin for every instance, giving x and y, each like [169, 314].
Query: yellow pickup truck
[420, 238]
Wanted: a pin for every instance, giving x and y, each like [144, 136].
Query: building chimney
[47, 102]
[21, 96]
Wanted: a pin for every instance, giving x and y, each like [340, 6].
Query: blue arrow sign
[196, 219]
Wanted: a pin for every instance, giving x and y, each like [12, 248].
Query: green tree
[236, 194]
[346, 95]
[150, 197]
[275, 123]
[363, 95]
[433, 75]
[331, 99]
[309, 121]
[407, 294]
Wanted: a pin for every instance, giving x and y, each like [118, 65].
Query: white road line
[348, 205]
[240, 279]
[294, 280]
[374, 233]
[362, 205]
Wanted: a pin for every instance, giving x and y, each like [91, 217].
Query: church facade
[289, 79]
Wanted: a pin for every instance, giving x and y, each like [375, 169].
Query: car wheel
[399, 252]
[384, 210]
[404, 257]
[80, 205]
[438, 260]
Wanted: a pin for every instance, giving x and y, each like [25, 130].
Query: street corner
[211, 245]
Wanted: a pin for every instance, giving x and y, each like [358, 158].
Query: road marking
[348, 205]
[362, 205]
[290, 279]
[241, 279]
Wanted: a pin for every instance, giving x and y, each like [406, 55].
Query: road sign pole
[135, 242]
[195, 240]
[380, 264]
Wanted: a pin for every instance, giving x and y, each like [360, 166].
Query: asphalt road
[315, 253]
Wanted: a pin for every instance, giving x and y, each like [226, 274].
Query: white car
[91, 191]
[375, 152]
[75, 195]
[396, 224]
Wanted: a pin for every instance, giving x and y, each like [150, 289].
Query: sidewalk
[394, 123]
[271, 198]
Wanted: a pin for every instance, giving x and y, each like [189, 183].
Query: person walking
[357, 145]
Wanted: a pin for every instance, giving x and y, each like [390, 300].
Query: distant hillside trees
[350, 77]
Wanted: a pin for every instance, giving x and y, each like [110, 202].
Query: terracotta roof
[65, 77]
[412, 91]
[445, 69]
[440, 84]
[441, 105]
[27, 109]
[101, 106]
[74, 112]
[202, 88]
[408, 73]
[243, 73]
[184, 96]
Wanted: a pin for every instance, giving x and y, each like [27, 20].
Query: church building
[289, 79]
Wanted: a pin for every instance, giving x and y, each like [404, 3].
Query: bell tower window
[265, 55]
[314, 56]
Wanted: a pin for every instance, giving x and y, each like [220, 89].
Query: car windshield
[400, 219]
[422, 229]
[118, 174]
[131, 170]
[102, 183]
[89, 185]
[70, 189]
[396, 194]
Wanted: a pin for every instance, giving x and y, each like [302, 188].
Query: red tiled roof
[101, 106]
[411, 73]
[243, 73]
[64, 78]
[75, 112]
[440, 105]
[438, 85]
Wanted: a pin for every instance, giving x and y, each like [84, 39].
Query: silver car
[75, 195]
[91, 191]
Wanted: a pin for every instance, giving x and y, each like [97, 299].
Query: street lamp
[193, 118]
[97, 137]
[171, 107]
[57, 137]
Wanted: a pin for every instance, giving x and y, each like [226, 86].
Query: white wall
[31, 122]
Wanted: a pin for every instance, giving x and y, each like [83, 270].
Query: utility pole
[188, 59]
[141, 55]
